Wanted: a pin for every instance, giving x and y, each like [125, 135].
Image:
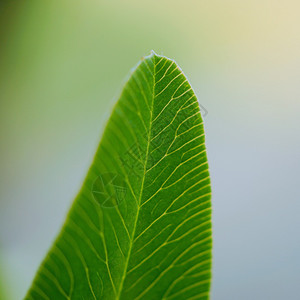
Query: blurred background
[62, 66]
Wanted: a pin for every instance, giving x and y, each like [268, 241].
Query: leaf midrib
[143, 180]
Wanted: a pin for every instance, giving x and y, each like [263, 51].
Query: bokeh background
[62, 66]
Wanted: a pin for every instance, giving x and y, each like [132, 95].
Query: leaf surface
[140, 228]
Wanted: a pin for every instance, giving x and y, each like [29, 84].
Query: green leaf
[140, 228]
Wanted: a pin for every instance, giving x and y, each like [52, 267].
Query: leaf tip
[152, 52]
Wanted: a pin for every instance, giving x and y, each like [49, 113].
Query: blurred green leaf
[140, 228]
